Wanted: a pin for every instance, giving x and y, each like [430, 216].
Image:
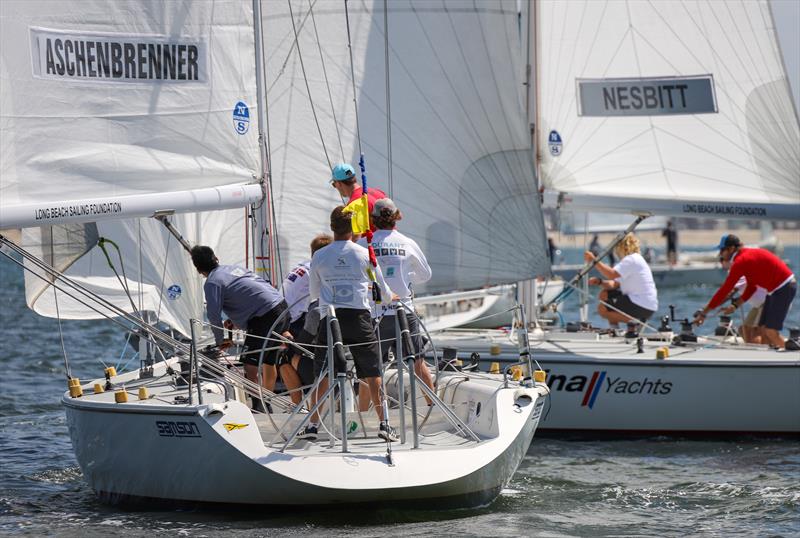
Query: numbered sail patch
[174, 291]
[554, 143]
[241, 118]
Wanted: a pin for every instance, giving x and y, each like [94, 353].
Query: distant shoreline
[687, 238]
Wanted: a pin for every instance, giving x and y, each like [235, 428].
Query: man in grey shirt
[251, 303]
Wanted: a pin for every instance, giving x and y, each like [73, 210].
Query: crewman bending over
[250, 302]
[295, 290]
[340, 278]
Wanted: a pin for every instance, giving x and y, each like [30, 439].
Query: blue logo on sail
[241, 118]
[173, 292]
[554, 143]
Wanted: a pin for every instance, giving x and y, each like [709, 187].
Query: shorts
[622, 302]
[754, 316]
[305, 368]
[386, 330]
[357, 328]
[257, 329]
[777, 305]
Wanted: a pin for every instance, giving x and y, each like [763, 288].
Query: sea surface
[648, 487]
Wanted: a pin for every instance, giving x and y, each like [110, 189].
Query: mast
[261, 224]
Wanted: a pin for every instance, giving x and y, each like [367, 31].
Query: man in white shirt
[404, 266]
[340, 277]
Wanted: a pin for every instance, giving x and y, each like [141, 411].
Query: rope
[388, 96]
[353, 76]
[308, 89]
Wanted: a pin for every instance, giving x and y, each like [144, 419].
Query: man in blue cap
[345, 181]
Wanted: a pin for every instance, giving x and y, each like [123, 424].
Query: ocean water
[647, 487]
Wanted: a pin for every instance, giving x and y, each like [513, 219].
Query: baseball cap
[381, 204]
[729, 240]
[342, 172]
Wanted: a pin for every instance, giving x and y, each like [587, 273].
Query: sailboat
[131, 130]
[671, 109]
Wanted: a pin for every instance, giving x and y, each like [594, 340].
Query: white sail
[152, 265]
[112, 109]
[671, 107]
[461, 164]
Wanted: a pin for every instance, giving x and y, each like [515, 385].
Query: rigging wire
[58, 316]
[353, 76]
[308, 89]
[163, 278]
[388, 96]
[325, 76]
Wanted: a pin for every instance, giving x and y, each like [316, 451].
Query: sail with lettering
[461, 158]
[674, 108]
[111, 112]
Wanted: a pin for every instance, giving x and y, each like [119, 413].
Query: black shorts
[386, 329]
[257, 329]
[622, 302]
[357, 328]
[777, 305]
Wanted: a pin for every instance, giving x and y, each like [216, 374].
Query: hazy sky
[787, 22]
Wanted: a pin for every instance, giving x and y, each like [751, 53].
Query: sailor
[250, 302]
[340, 278]
[761, 268]
[629, 286]
[295, 291]
[344, 180]
[750, 330]
[404, 266]
[671, 234]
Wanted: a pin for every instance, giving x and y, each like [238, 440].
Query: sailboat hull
[131, 452]
[603, 387]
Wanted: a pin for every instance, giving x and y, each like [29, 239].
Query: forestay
[117, 109]
[678, 108]
[462, 162]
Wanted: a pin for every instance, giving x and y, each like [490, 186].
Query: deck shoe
[387, 433]
[309, 433]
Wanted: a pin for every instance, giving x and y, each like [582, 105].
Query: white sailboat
[611, 137]
[116, 112]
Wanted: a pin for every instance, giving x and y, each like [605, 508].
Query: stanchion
[404, 337]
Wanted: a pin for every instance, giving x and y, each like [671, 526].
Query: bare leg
[270, 375]
[364, 396]
[422, 371]
[323, 386]
[292, 382]
[375, 390]
[773, 337]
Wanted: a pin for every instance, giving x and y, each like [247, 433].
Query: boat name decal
[600, 381]
[77, 210]
[109, 57]
[170, 428]
[230, 426]
[647, 96]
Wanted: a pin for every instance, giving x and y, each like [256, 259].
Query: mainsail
[672, 107]
[462, 168]
[111, 110]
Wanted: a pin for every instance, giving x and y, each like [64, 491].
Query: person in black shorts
[340, 279]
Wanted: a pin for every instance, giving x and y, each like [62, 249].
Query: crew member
[629, 286]
[404, 266]
[750, 329]
[340, 278]
[250, 302]
[671, 234]
[295, 290]
[761, 268]
[344, 180]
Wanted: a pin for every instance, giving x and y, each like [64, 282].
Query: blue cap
[729, 240]
[342, 172]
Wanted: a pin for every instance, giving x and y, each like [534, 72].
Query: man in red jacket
[761, 268]
[345, 181]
